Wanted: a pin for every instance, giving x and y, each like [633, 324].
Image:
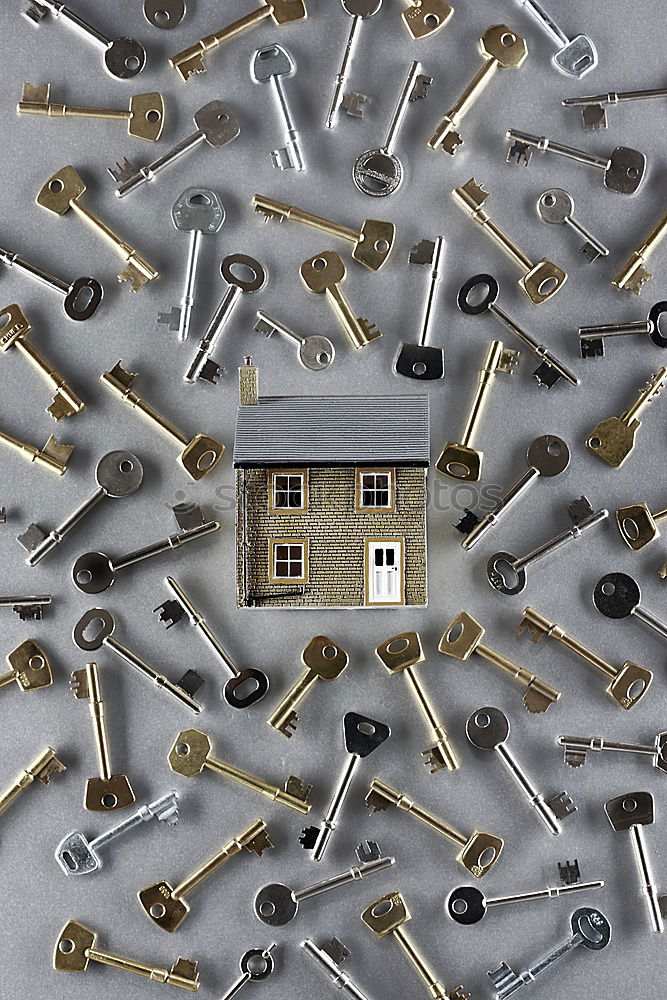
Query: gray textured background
[37, 897]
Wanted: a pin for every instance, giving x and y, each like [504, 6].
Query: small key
[593, 112]
[86, 638]
[421, 360]
[329, 959]
[144, 117]
[251, 278]
[200, 212]
[118, 474]
[123, 57]
[556, 207]
[576, 56]
[191, 60]
[399, 655]
[323, 660]
[623, 169]
[166, 906]
[324, 273]
[547, 456]
[29, 666]
[617, 595]
[488, 729]
[478, 852]
[362, 736]
[576, 748]
[81, 298]
[270, 64]
[180, 606]
[54, 455]
[590, 929]
[76, 855]
[41, 769]
[27, 607]
[352, 103]
[613, 439]
[62, 192]
[507, 573]
[631, 812]
[591, 338]
[199, 455]
[627, 684]
[76, 947]
[164, 13]
[215, 125]
[379, 172]
[634, 273]
[500, 48]
[276, 904]
[191, 753]
[256, 966]
[540, 280]
[638, 525]
[315, 352]
[462, 638]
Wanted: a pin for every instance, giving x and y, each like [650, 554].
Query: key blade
[190, 682]
[451, 142]
[422, 252]
[211, 371]
[420, 87]
[35, 12]
[78, 684]
[367, 851]
[284, 158]
[519, 151]
[569, 872]
[49, 767]
[172, 320]
[469, 521]
[591, 348]
[579, 509]
[31, 538]
[353, 102]
[189, 515]
[308, 837]
[62, 407]
[504, 979]
[593, 116]
[574, 756]
[458, 994]
[336, 951]
[590, 252]
[638, 279]
[171, 612]
[185, 971]
[122, 172]
[165, 809]
[259, 843]
[562, 805]
[298, 788]
[546, 375]
[660, 759]
[36, 95]
[28, 612]
[376, 801]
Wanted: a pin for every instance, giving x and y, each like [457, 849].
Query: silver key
[28, 608]
[359, 11]
[315, 352]
[216, 126]
[577, 747]
[329, 959]
[591, 338]
[593, 114]
[576, 56]
[631, 812]
[271, 64]
[617, 595]
[80, 299]
[556, 207]
[164, 13]
[200, 212]
[468, 905]
[256, 966]
[118, 474]
[420, 360]
[488, 729]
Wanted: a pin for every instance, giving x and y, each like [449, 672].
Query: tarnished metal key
[634, 273]
[591, 338]
[638, 525]
[329, 959]
[271, 64]
[576, 749]
[424, 17]
[323, 660]
[593, 110]
[41, 769]
[576, 56]
[613, 439]
[27, 606]
[80, 298]
[631, 812]
[324, 273]
[359, 11]
[617, 595]
[29, 666]
[556, 207]
[144, 117]
[54, 455]
[316, 353]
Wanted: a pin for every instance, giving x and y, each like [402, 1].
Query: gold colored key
[541, 280]
[323, 273]
[638, 525]
[29, 666]
[424, 17]
[463, 637]
[191, 60]
[460, 461]
[200, 454]
[14, 329]
[191, 753]
[108, 791]
[500, 48]
[399, 655]
[41, 769]
[628, 684]
[479, 852]
[145, 116]
[75, 948]
[53, 455]
[372, 243]
[324, 660]
[634, 273]
[62, 192]
[613, 439]
[166, 906]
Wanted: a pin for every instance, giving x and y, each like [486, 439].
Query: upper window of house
[375, 489]
[288, 491]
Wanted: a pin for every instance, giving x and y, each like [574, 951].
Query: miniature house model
[330, 499]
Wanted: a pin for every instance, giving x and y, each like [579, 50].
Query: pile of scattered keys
[378, 172]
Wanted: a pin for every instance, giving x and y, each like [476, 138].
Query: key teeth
[458, 994]
[298, 788]
[636, 282]
[569, 872]
[519, 151]
[370, 329]
[28, 612]
[367, 851]
[172, 320]
[283, 158]
[469, 521]
[433, 759]
[171, 612]
[269, 215]
[592, 348]
[451, 142]
[662, 572]
[594, 117]
[211, 372]
[590, 252]
[375, 801]
[288, 728]
[78, 683]
[259, 844]
[420, 87]
[308, 837]
[574, 756]
[422, 252]
[168, 811]
[122, 171]
[336, 950]
[503, 977]
[562, 805]
[35, 12]
[353, 102]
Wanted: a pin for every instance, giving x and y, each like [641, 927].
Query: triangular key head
[362, 734]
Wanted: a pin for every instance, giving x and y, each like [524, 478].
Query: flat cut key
[576, 56]
[26, 606]
[144, 117]
[42, 768]
[359, 11]
[29, 666]
[617, 595]
[613, 439]
[631, 812]
[556, 207]
[256, 966]
[424, 17]
[323, 660]
[271, 64]
[634, 274]
[329, 959]
[316, 352]
[422, 360]
[576, 749]
[323, 274]
[638, 525]
[54, 455]
[80, 298]
[591, 338]
[593, 110]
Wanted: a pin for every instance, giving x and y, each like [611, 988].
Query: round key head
[549, 455]
[555, 206]
[377, 173]
[108, 794]
[119, 473]
[502, 576]
[243, 271]
[201, 455]
[487, 728]
[361, 8]
[64, 187]
[93, 572]
[576, 58]
[616, 595]
[257, 964]
[162, 907]
[466, 904]
[592, 926]
[189, 752]
[93, 628]
[198, 210]
[316, 353]
[654, 317]
[75, 855]
[124, 58]
[71, 951]
[482, 301]
[625, 171]
[83, 298]
[542, 281]
[275, 905]
[256, 687]
[271, 61]
[217, 123]
[501, 43]
[636, 525]
[427, 18]
[323, 270]
[164, 13]
[362, 734]
[147, 116]
[375, 243]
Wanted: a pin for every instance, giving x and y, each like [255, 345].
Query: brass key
[324, 273]
[109, 791]
[463, 637]
[191, 753]
[53, 455]
[191, 60]
[13, 333]
[324, 660]
[200, 454]
[372, 243]
[460, 461]
[634, 274]
[62, 192]
[166, 905]
[41, 769]
[540, 280]
[145, 116]
[29, 666]
[638, 525]
[399, 655]
[613, 439]
[424, 17]
[500, 48]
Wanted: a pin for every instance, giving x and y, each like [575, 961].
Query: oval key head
[147, 116]
[97, 618]
[631, 809]
[461, 636]
[107, 794]
[401, 651]
[542, 281]
[93, 572]
[503, 577]
[616, 595]
[576, 58]
[64, 187]
[377, 173]
[164, 910]
[549, 455]
[316, 353]
[625, 171]
[487, 728]
[636, 525]
[275, 905]
[655, 315]
[376, 241]
[119, 473]
[592, 926]
[325, 657]
[256, 688]
[164, 13]
[386, 914]
[504, 45]
[430, 16]
[480, 853]
[271, 61]
[217, 123]
[555, 206]
[201, 455]
[322, 271]
[198, 210]
[125, 58]
[243, 271]
[477, 282]
[361, 8]
[75, 856]
[466, 904]
[71, 951]
[189, 752]
[83, 298]
[464, 464]
[362, 734]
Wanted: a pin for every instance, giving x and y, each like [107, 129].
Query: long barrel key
[144, 117]
[359, 11]
[631, 812]
[468, 905]
[577, 747]
[591, 338]
[80, 298]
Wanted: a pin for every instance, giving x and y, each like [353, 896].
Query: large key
[324, 273]
[422, 360]
[41, 769]
[118, 474]
[359, 11]
[613, 439]
[28, 665]
[54, 455]
[62, 192]
[329, 959]
[593, 111]
[591, 338]
[576, 56]
[270, 65]
[576, 749]
[424, 17]
[144, 117]
[324, 660]
[540, 280]
[80, 298]
[638, 525]
[500, 48]
[617, 595]
[631, 812]
[556, 207]
[29, 606]
[634, 273]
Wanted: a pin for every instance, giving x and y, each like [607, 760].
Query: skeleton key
[631, 812]
[324, 660]
[315, 352]
[379, 172]
[576, 56]
[500, 48]
[324, 273]
[118, 474]
[329, 959]
[191, 60]
[27, 607]
[29, 666]
[164, 13]
[270, 64]
[53, 455]
[200, 212]
[105, 623]
[359, 11]
[13, 333]
[80, 299]
[108, 791]
[556, 207]
[424, 17]
[256, 966]
[617, 595]
[593, 113]
[623, 169]
[613, 439]
[165, 904]
[591, 338]
[421, 360]
[634, 274]
[638, 525]
[144, 117]
[488, 729]
[215, 125]
[123, 57]
[577, 747]
[191, 753]
[62, 192]
[541, 280]
[41, 769]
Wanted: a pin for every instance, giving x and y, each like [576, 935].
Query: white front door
[384, 571]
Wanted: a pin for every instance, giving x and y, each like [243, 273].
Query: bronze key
[324, 660]
[323, 273]
[41, 769]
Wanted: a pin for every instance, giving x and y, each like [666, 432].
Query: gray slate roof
[333, 430]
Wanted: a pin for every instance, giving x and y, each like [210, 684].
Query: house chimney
[248, 383]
